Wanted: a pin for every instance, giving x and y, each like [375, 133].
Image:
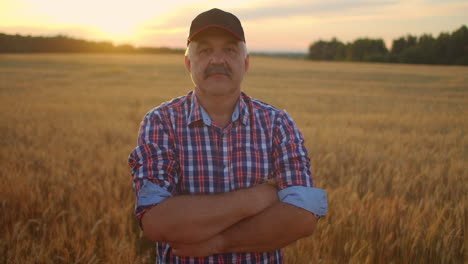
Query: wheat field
[389, 143]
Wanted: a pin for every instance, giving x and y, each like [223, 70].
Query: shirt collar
[244, 114]
[197, 112]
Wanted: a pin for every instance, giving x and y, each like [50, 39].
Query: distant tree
[327, 50]
[445, 49]
[125, 48]
[426, 43]
[366, 49]
[399, 45]
[442, 48]
[412, 54]
[459, 46]
[61, 43]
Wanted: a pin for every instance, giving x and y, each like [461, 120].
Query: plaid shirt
[181, 151]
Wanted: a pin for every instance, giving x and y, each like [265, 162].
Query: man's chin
[218, 89]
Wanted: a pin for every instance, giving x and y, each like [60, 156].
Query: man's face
[217, 63]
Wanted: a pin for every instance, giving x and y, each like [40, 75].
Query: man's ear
[187, 63]
[247, 63]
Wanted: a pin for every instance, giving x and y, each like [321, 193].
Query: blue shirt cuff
[151, 194]
[311, 199]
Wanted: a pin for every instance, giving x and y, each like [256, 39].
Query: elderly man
[219, 176]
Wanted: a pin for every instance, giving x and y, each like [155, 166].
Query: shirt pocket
[250, 165]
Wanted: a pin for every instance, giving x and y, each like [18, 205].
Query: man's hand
[266, 195]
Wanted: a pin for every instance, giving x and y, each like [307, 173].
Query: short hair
[188, 52]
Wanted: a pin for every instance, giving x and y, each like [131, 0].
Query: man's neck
[219, 108]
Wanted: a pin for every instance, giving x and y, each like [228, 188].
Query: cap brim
[190, 38]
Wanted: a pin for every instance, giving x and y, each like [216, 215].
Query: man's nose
[218, 57]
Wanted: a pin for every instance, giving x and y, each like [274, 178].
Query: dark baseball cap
[216, 18]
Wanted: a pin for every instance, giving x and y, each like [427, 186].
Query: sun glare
[118, 21]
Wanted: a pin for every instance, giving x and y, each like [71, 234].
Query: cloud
[319, 8]
[344, 10]
[183, 15]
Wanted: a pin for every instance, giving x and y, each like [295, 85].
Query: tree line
[445, 49]
[63, 44]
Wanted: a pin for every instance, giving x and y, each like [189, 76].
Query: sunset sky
[269, 25]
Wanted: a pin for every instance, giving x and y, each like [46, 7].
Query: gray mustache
[217, 69]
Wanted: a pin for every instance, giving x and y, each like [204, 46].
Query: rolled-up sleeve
[154, 165]
[292, 169]
[313, 200]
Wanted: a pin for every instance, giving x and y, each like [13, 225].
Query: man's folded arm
[195, 218]
[277, 226]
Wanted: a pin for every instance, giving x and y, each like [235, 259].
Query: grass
[388, 142]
